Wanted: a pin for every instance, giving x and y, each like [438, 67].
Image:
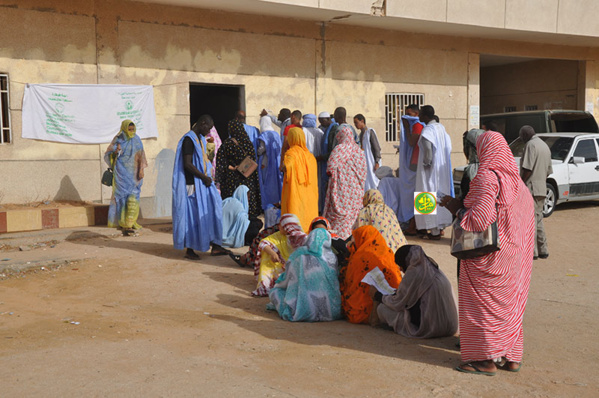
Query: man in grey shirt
[535, 167]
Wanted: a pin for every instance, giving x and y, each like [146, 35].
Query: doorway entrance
[221, 101]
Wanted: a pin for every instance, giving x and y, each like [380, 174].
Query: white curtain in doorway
[86, 113]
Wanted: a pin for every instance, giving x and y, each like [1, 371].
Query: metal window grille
[531, 107]
[5, 136]
[395, 106]
[509, 109]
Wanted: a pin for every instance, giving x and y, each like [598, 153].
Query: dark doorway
[220, 101]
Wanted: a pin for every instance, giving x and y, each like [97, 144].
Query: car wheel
[550, 200]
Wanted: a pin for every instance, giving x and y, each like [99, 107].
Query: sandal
[237, 259]
[430, 236]
[476, 370]
[220, 252]
[191, 256]
[506, 366]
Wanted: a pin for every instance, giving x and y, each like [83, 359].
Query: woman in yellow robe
[300, 182]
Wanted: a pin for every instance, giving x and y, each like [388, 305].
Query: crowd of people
[332, 240]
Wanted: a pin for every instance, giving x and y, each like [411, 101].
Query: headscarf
[368, 252]
[290, 224]
[217, 144]
[309, 120]
[125, 128]
[265, 124]
[470, 148]
[326, 223]
[348, 153]
[319, 220]
[237, 132]
[297, 149]
[495, 157]
[380, 216]
[347, 170]
[235, 219]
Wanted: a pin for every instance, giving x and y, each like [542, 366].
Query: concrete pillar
[473, 90]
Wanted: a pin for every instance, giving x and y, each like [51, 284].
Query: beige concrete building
[464, 57]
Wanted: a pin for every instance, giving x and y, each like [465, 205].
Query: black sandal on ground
[237, 259]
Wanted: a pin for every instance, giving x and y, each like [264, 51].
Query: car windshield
[559, 146]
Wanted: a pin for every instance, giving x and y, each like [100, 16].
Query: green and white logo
[425, 203]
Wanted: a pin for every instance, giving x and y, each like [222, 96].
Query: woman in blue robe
[126, 156]
[235, 217]
[269, 161]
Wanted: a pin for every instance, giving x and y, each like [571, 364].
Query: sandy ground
[130, 317]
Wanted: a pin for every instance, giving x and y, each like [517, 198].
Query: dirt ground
[116, 316]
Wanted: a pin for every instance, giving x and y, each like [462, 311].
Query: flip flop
[476, 370]
[516, 370]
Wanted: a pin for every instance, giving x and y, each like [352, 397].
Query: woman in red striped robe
[493, 288]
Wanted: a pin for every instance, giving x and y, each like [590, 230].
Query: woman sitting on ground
[423, 305]
[368, 250]
[338, 245]
[380, 216]
[308, 290]
[274, 251]
[238, 229]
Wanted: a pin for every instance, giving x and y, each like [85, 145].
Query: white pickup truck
[575, 164]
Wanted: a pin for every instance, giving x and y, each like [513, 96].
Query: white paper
[376, 278]
[86, 113]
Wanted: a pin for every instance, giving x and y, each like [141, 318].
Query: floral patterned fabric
[380, 216]
[347, 174]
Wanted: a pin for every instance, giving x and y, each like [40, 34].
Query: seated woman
[380, 216]
[238, 229]
[367, 251]
[338, 245]
[274, 251]
[308, 290]
[251, 258]
[423, 305]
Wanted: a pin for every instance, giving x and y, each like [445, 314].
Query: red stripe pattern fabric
[493, 289]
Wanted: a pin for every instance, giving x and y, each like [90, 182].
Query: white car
[575, 163]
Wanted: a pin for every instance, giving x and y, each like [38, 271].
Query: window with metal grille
[4, 110]
[509, 109]
[395, 107]
[531, 107]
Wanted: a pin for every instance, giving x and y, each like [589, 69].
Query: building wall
[282, 62]
[548, 84]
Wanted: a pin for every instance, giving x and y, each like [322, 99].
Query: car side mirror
[577, 160]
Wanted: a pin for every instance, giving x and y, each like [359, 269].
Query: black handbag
[108, 177]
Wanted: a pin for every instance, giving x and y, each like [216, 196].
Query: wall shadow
[67, 191]
[163, 194]
[162, 250]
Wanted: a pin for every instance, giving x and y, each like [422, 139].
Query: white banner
[86, 113]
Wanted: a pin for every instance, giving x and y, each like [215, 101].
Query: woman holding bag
[493, 288]
[230, 156]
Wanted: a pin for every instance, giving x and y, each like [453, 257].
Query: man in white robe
[433, 172]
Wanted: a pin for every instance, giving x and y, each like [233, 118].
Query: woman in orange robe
[368, 250]
[300, 182]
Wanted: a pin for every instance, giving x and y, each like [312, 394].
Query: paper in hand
[376, 278]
